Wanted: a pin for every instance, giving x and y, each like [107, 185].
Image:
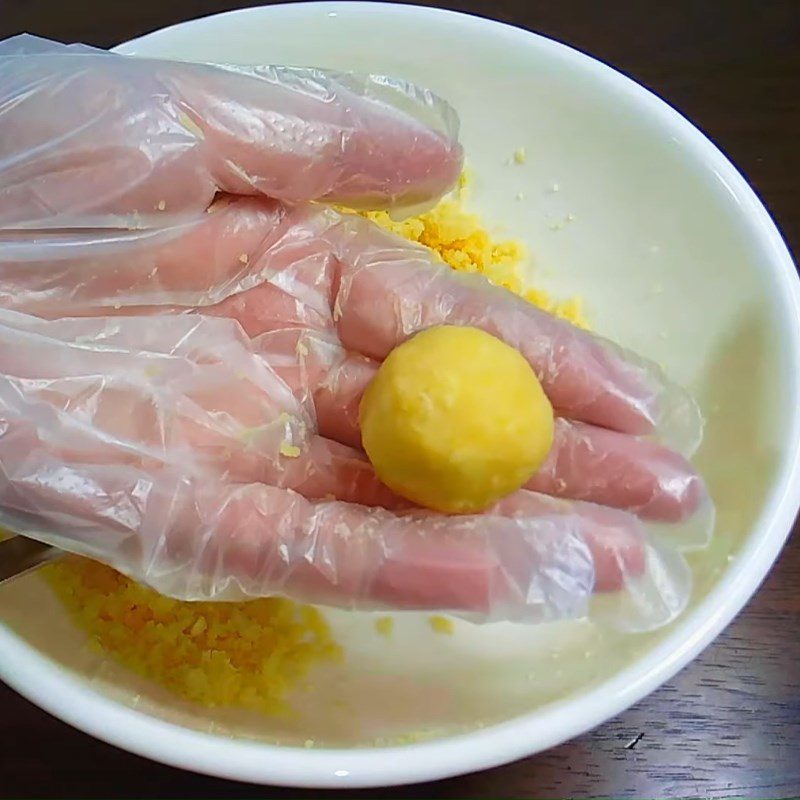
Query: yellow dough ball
[455, 419]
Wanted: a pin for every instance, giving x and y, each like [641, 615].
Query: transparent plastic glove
[181, 377]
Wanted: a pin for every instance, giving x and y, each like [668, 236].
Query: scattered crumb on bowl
[460, 239]
[384, 626]
[440, 624]
[248, 655]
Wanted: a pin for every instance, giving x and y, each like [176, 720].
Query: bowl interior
[619, 205]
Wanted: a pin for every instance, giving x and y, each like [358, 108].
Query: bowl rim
[71, 699]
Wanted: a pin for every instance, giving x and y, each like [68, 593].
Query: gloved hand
[186, 332]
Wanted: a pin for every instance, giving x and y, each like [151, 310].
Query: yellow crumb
[385, 626]
[440, 624]
[519, 155]
[289, 450]
[248, 655]
[412, 737]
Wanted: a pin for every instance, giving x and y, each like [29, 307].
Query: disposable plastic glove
[186, 332]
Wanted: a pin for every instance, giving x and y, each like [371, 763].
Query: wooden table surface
[729, 724]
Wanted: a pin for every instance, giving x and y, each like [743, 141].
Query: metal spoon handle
[19, 555]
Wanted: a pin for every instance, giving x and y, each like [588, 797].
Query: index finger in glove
[93, 139]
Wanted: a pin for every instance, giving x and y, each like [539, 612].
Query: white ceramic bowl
[673, 253]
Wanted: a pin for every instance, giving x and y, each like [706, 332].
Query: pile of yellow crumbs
[457, 236]
[253, 654]
[247, 655]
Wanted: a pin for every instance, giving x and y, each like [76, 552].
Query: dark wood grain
[728, 725]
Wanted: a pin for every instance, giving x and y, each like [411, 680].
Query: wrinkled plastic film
[651, 599]
[194, 539]
[641, 581]
[603, 466]
[98, 140]
[416, 101]
[340, 555]
[239, 244]
[675, 414]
